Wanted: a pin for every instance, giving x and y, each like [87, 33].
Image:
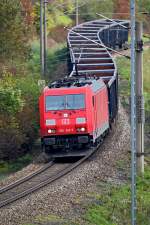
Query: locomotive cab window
[61, 102]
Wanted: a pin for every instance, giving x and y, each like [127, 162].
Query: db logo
[65, 121]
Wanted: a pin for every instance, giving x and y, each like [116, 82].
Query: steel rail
[26, 178]
[50, 180]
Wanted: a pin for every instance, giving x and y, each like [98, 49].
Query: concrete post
[139, 99]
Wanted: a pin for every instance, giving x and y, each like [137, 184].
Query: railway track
[46, 175]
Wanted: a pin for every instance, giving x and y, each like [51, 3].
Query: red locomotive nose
[66, 122]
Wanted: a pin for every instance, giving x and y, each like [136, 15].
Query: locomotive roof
[70, 82]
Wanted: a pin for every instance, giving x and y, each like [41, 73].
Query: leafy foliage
[13, 166]
[56, 60]
[122, 9]
[10, 96]
[14, 32]
[29, 116]
[11, 137]
[56, 14]
[19, 114]
[11, 102]
[143, 10]
[144, 5]
[27, 10]
[90, 8]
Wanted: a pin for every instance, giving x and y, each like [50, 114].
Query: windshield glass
[60, 102]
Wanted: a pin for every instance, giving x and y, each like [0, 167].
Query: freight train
[77, 111]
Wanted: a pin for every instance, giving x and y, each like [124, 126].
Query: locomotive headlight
[51, 131]
[81, 129]
[80, 120]
[50, 122]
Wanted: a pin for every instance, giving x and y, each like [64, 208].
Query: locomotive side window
[61, 102]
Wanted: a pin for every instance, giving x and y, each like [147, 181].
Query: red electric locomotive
[73, 114]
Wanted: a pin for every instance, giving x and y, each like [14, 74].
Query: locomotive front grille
[71, 140]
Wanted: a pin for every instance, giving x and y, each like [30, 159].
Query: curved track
[26, 178]
[39, 179]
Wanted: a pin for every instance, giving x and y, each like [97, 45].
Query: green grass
[124, 72]
[145, 38]
[124, 87]
[48, 218]
[112, 205]
[115, 204]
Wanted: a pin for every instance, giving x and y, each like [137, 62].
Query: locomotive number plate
[67, 130]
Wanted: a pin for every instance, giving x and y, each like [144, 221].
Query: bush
[10, 96]
[19, 114]
[13, 166]
[11, 137]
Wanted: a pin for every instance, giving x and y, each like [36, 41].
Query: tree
[11, 103]
[13, 31]
[143, 9]
[57, 14]
[122, 9]
[88, 9]
[27, 9]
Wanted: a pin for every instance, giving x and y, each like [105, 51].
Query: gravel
[20, 174]
[60, 197]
